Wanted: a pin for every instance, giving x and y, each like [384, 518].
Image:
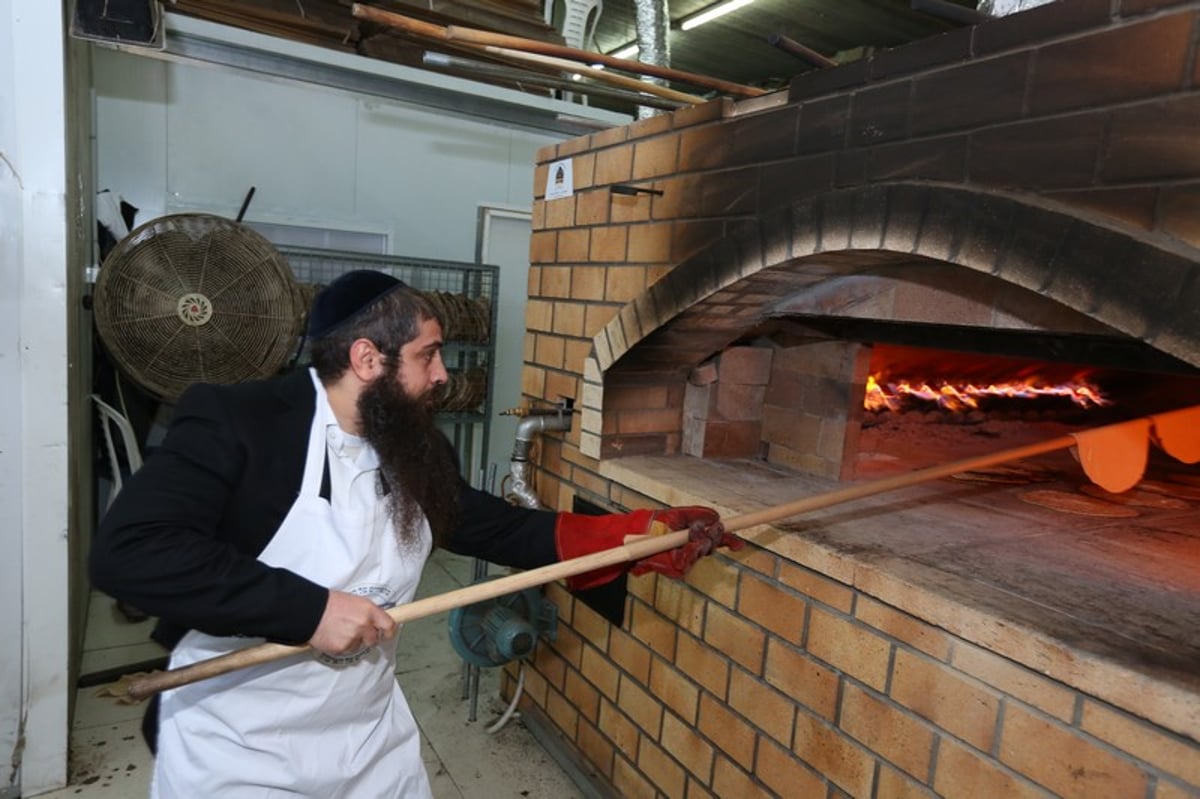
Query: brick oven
[1013, 203]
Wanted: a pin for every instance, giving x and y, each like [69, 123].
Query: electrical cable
[512, 706]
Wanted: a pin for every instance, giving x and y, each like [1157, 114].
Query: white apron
[303, 727]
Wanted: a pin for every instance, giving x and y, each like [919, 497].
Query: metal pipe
[654, 43]
[521, 489]
[950, 11]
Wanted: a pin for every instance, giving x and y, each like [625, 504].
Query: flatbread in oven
[1077, 504]
[1171, 489]
[1136, 497]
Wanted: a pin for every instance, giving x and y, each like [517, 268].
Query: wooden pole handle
[456, 33]
[634, 549]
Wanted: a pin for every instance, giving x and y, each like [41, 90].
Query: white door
[503, 240]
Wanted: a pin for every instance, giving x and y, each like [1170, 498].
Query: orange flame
[892, 395]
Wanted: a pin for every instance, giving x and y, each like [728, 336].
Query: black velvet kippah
[342, 299]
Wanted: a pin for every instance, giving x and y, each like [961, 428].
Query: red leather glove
[577, 535]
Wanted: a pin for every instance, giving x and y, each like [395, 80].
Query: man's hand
[350, 623]
[705, 533]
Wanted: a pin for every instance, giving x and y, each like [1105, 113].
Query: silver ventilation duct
[653, 39]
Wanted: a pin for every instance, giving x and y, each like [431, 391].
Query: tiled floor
[464, 761]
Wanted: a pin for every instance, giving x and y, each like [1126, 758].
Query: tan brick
[784, 774]
[682, 606]
[592, 626]
[592, 207]
[667, 775]
[730, 732]
[657, 156]
[624, 208]
[536, 687]
[680, 739]
[560, 213]
[894, 784]
[543, 246]
[886, 729]
[764, 602]
[738, 402]
[1062, 760]
[731, 781]
[582, 694]
[562, 713]
[587, 283]
[962, 773]
[630, 655]
[568, 318]
[600, 672]
[735, 637]
[573, 245]
[674, 689]
[614, 165]
[561, 385]
[703, 665]
[609, 244]
[576, 354]
[822, 589]
[1179, 210]
[695, 790]
[1174, 756]
[767, 709]
[623, 283]
[845, 646]
[533, 381]
[903, 627]
[653, 629]
[539, 179]
[649, 126]
[647, 421]
[640, 705]
[618, 728]
[746, 365]
[583, 171]
[832, 754]
[714, 578]
[596, 317]
[950, 700]
[538, 217]
[551, 666]
[1173, 790]
[569, 147]
[620, 398]
[1010, 678]
[596, 748]
[629, 782]
[649, 243]
[556, 281]
[548, 351]
[803, 679]
[568, 645]
[539, 315]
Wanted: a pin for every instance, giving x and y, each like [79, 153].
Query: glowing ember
[892, 395]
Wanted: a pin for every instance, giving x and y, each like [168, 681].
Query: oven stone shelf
[1109, 607]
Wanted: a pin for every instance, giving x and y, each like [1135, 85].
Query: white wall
[34, 463]
[177, 137]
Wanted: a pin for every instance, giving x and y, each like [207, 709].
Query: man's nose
[440, 376]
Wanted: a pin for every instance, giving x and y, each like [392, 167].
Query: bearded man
[297, 510]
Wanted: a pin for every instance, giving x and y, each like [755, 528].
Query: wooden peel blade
[1177, 433]
[134, 688]
[1114, 456]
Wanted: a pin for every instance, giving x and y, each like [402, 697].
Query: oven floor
[1124, 591]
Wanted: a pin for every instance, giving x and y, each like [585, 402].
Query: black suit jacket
[182, 537]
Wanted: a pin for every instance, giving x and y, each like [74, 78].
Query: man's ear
[366, 361]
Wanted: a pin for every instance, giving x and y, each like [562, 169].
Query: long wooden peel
[458, 33]
[1181, 429]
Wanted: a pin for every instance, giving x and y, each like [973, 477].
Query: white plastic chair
[579, 21]
[110, 417]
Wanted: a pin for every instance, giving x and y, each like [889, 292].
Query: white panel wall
[176, 137]
[34, 463]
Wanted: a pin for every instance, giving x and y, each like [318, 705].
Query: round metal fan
[193, 298]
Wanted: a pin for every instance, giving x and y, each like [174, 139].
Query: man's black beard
[415, 459]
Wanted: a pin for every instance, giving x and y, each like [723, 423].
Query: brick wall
[1054, 151]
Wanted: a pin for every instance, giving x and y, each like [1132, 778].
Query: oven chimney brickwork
[1053, 150]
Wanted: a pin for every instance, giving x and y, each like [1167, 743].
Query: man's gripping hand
[350, 623]
[577, 535]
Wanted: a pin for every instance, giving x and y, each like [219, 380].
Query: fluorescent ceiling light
[625, 52]
[712, 12]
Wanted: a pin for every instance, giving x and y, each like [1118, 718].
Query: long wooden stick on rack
[1178, 432]
[456, 33]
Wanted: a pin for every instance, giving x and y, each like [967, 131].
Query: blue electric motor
[495, 631]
